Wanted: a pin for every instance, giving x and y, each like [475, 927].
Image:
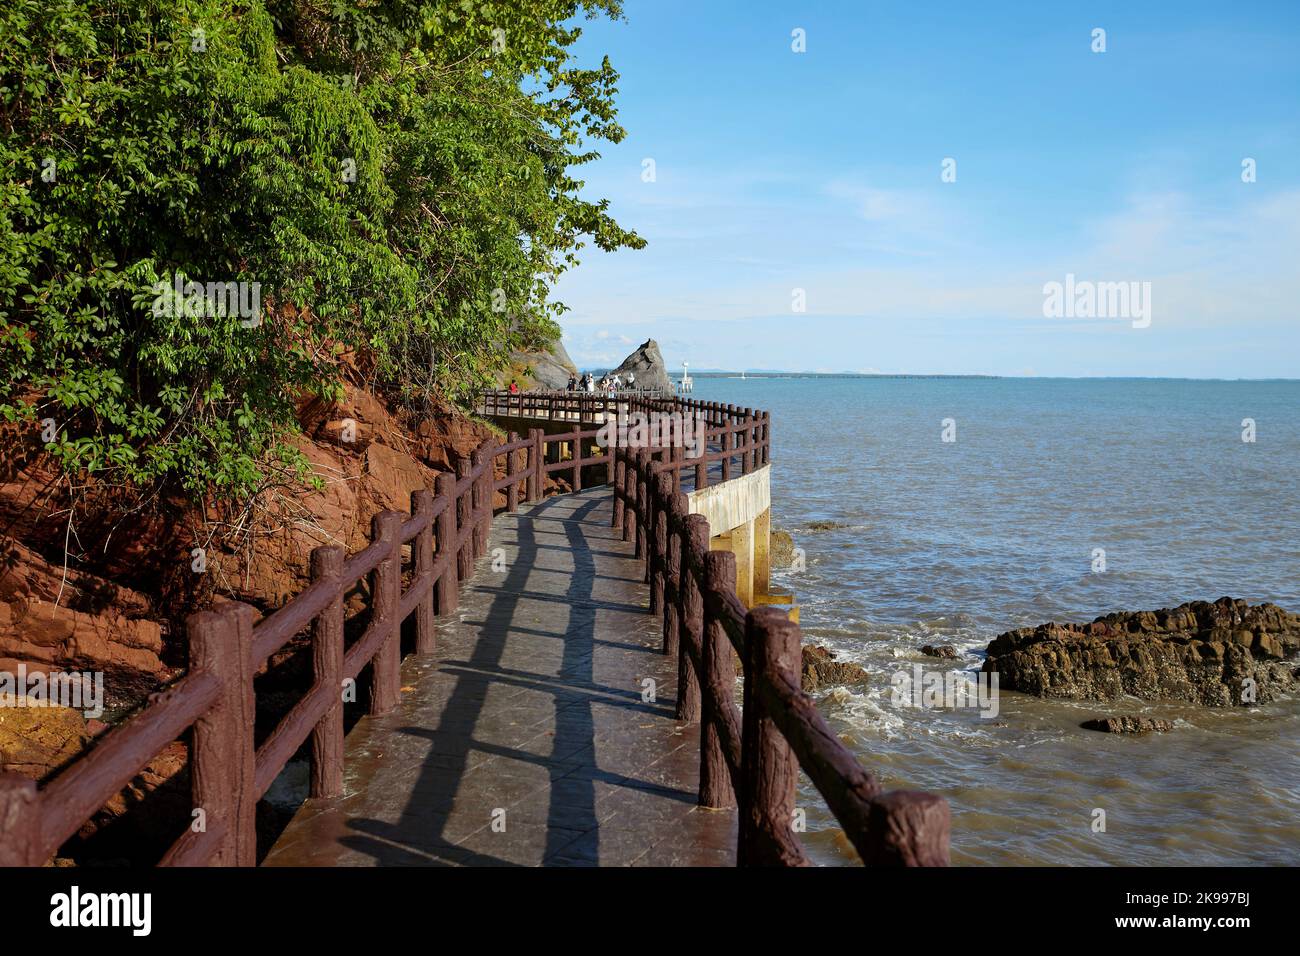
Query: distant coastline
[750, 373]
[753, 374]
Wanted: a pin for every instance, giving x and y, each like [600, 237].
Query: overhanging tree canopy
[396, 179]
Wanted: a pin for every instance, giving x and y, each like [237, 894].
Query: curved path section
[542, 730]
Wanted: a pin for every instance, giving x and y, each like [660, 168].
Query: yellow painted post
[742, 546]
[763, 553]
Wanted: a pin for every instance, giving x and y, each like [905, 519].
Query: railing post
[577, 457]
[629, 495]
[385, 596]
[667, 576]
[642, 505]
[422, 571]
[448, 590]
[512, 473]
[716, 789]
[224, 761]
[464, 522]
[327, 671]
[536, 461]
[908, 828]
[620, 486]
[658, 563]
[769, 769]
[749, 462]
[20, 821]
[694, 541]
[485, 464]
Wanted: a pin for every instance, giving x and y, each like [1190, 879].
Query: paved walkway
[526, 740]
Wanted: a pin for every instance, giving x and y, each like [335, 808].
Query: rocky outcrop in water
[946, 651]
[1128, 724]
[820, 669]
[1219, 654]
[781, 549]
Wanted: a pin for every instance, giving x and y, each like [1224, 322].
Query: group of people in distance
[587, 383]
[608, 383]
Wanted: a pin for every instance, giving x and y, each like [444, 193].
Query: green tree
[397, 181]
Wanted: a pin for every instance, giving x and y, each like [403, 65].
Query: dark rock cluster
[820, 669]
[1221, 654]
[1128, 724]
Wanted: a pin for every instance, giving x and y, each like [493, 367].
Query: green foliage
[397, 178]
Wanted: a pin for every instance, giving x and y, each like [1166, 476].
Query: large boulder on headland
[1218, 654]
[548, 369]
[647, 365]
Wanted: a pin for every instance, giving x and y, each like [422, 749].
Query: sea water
[910, 539]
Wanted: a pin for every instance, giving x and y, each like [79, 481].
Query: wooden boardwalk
[525, 739]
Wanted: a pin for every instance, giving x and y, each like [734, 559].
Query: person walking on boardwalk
[514, 387]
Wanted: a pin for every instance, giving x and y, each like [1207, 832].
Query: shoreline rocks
[946, 651]
[1128, 724]
[1221, 654]
[820, 670]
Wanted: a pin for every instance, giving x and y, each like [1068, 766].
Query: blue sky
[821, 171]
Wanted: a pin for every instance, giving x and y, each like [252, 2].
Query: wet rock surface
[1218, 654]
[1128, 724]
[820, 669]
[946, 651]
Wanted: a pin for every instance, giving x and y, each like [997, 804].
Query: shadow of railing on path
[572, 822]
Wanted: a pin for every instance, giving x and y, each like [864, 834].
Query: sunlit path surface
[526, 739]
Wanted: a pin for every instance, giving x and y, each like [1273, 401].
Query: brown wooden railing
[560, 405]
[444, 534]
[440, 540]
[751, 756]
